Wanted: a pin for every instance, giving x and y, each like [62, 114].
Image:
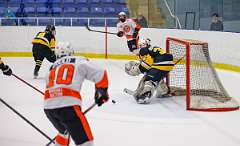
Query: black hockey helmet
[50, 28]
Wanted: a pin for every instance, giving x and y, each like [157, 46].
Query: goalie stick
[99, 30]
[130, 92]
[133, 93]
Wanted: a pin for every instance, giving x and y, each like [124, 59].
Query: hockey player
[62, 103]
[155, 63]
[43, 45]
[129, 28]
[5, 68]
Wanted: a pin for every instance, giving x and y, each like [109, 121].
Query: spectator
[49, 6]
[22, 13]
[10, 15]
[142, 20]
[133, 6]
[216, 24]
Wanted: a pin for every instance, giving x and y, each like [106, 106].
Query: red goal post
[195, 77]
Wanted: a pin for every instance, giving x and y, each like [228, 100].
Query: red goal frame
[187, 44]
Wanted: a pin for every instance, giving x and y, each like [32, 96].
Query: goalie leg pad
[162, 89]
[146, 93]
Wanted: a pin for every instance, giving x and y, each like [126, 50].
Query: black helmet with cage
[51, 28]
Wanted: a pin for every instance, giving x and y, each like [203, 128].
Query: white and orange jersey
[128, 27]
[65, 79]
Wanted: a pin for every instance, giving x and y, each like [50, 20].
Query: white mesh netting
[205, 92]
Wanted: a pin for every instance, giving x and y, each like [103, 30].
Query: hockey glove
[135, 34]
[101, 96]
[6, 70]
[120, 34]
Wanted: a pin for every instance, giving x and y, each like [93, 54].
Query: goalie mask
[132, 68]
[63, 49]
[144, 43]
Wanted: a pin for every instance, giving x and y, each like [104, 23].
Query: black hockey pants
[72, 120]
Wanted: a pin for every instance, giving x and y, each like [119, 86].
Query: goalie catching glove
[101, 96]
[132, 68]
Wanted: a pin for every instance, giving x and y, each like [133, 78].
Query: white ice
[164, 122]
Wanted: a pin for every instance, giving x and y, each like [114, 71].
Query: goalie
[155, 64]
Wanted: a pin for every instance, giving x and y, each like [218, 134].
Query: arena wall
[224, 46]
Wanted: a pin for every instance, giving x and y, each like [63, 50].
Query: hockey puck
[113, 101]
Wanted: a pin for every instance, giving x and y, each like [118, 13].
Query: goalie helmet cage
[195, 77]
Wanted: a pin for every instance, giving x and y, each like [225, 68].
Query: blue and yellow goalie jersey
[155, 58]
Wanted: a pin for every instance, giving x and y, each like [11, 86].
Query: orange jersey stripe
[104, 82]
[84, 122]
[61, 140]
[61, 92]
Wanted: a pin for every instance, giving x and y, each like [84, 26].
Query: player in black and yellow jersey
[155, 63]
[43, 47]
[5, 68]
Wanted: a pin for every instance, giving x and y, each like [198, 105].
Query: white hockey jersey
[65, 79]
[128, 27]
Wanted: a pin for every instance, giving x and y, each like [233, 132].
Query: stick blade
[128, 91]
[87, 27]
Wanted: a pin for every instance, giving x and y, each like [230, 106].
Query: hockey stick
[89, 108]
[180, 59]
[28, 84]
[99, 30]
[51, 140]
[86, 111]
[25, 119]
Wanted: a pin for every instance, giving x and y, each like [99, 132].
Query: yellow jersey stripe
[39, 41]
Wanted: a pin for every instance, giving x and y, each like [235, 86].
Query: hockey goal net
[194, 76]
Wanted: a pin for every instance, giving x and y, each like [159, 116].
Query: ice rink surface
[164, 122]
